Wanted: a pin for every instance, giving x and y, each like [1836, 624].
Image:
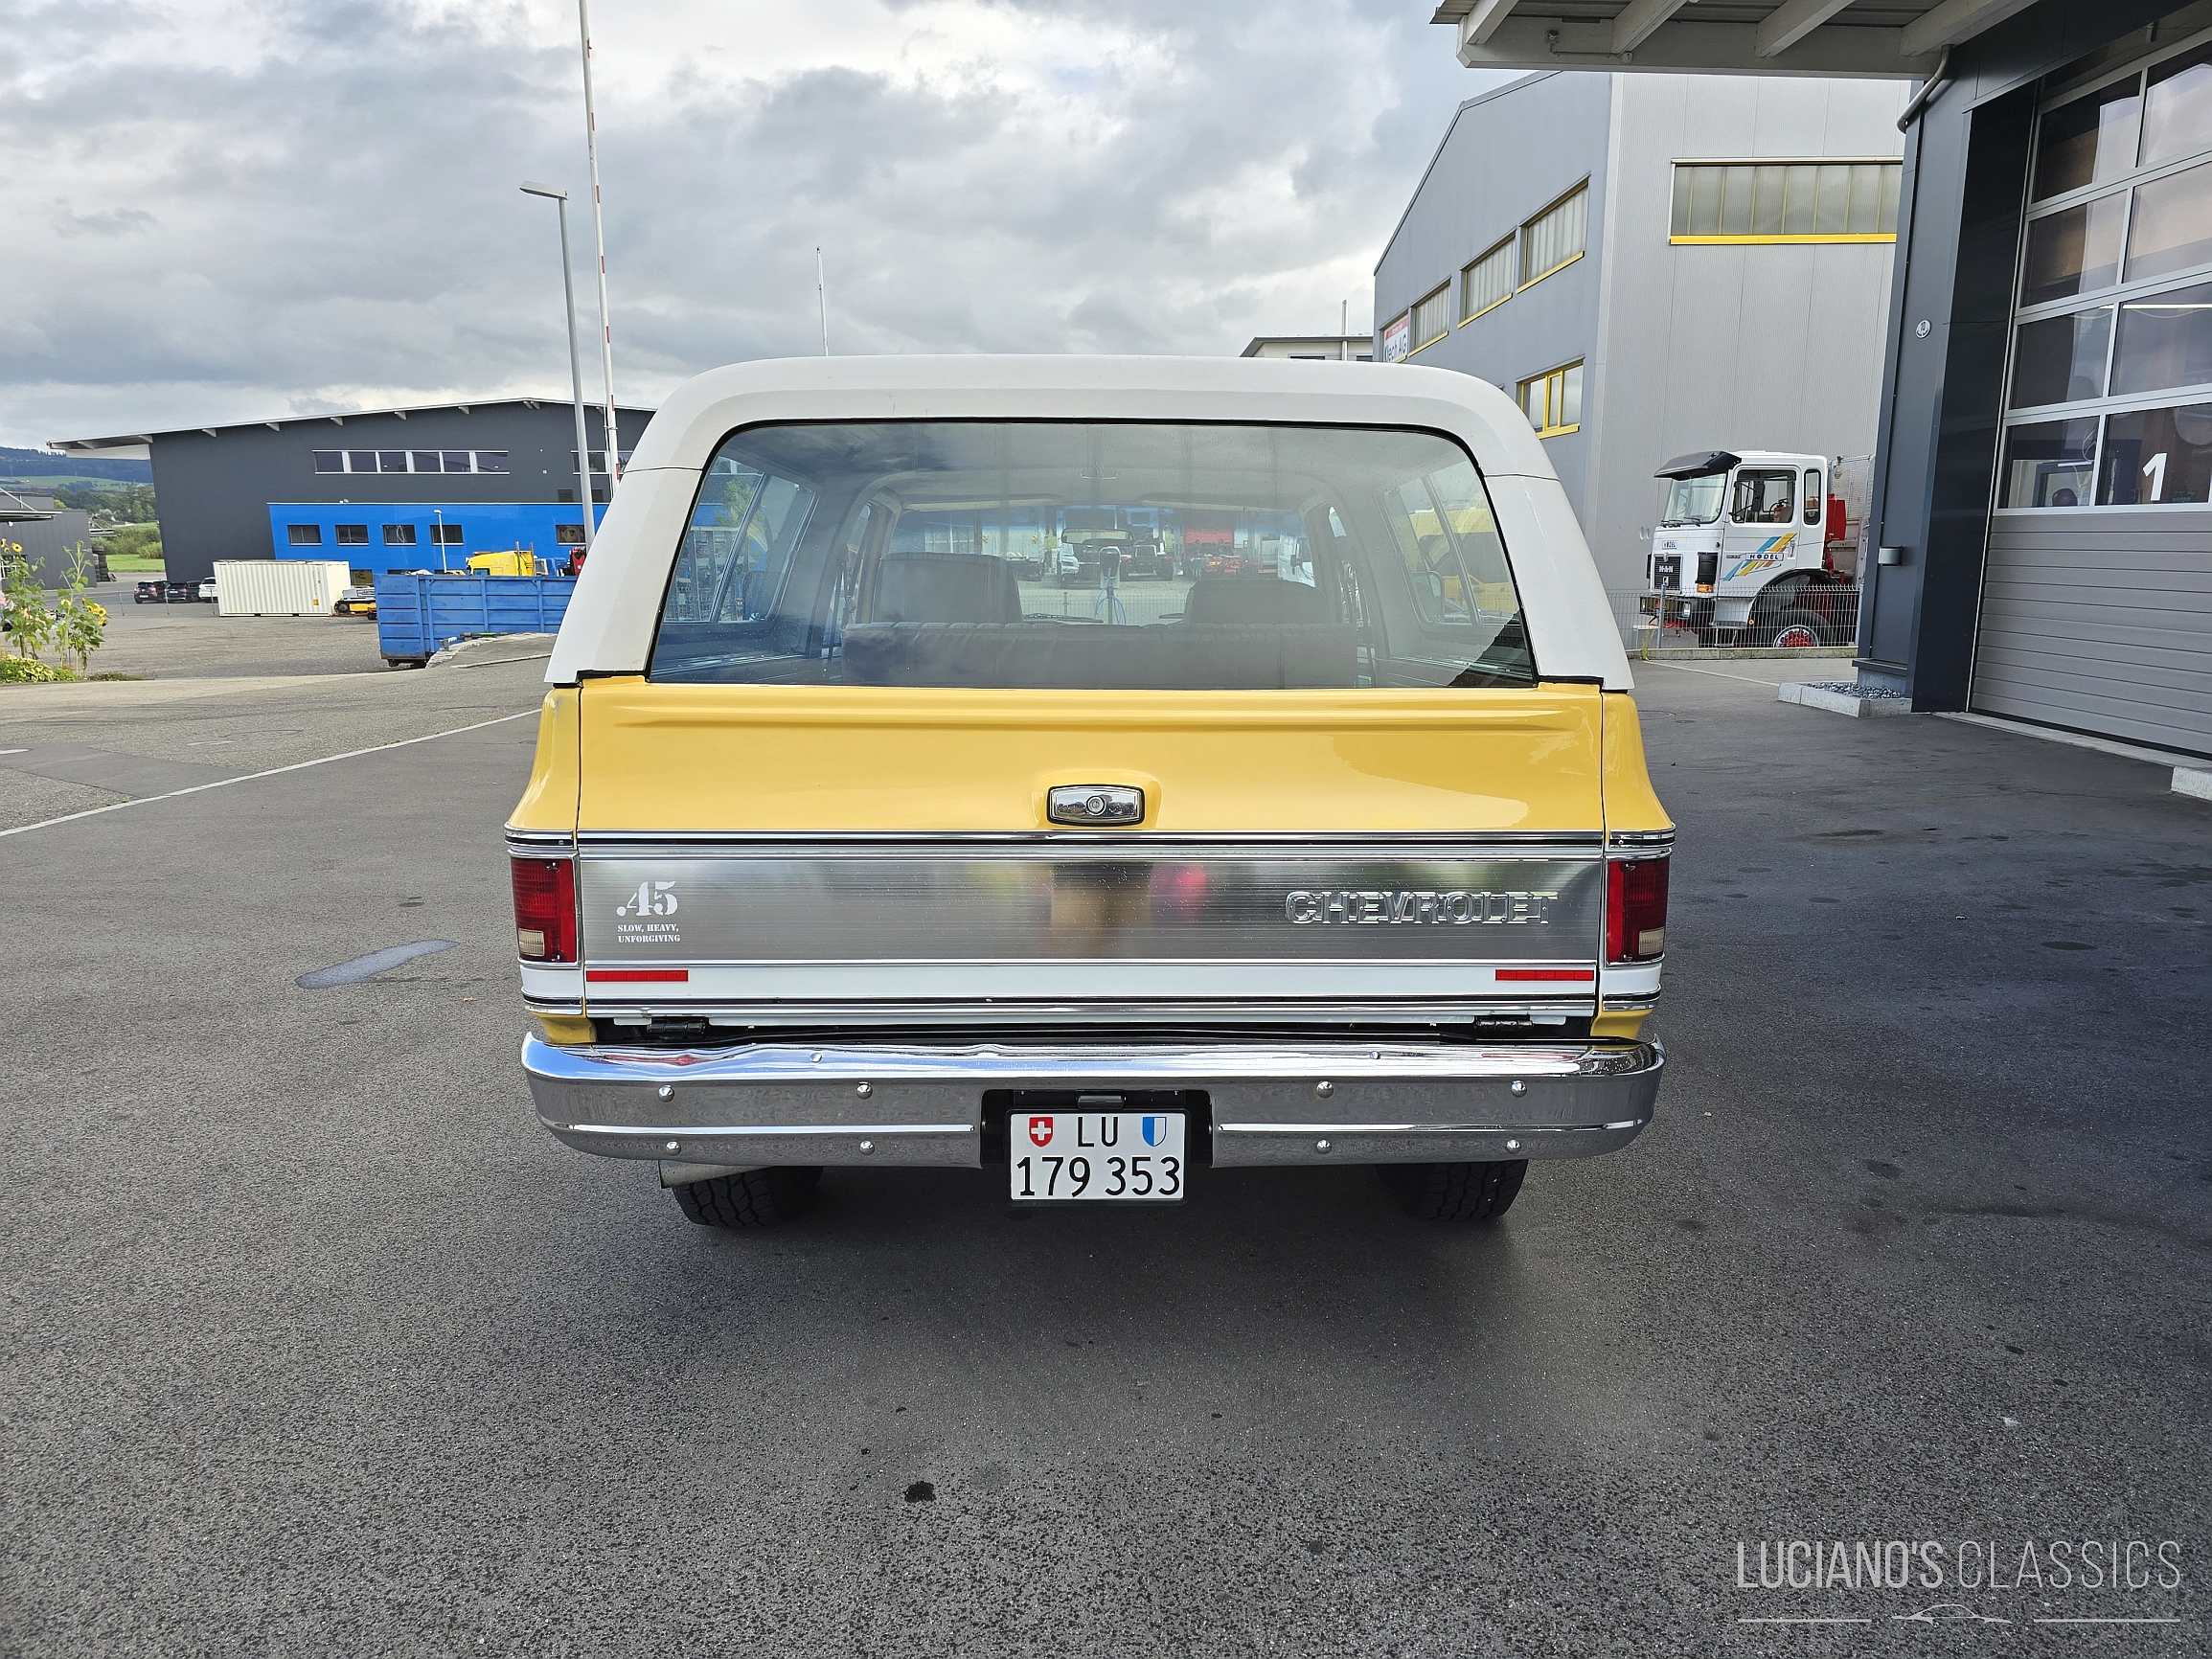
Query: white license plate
[1106, 1157]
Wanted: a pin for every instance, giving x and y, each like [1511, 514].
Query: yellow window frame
[1544, 212]
[1554, 382]
[1483, 258]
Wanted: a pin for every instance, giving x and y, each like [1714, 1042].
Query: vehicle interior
[916, 554]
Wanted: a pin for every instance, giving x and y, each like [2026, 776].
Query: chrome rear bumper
[1372, 1103]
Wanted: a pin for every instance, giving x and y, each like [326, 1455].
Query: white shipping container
[279, 586]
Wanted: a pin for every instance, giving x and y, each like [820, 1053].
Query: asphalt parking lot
[315, 1340]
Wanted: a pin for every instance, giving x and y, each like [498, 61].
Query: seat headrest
[945, 587]
[1250, 599]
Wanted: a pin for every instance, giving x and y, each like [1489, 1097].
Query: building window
[568, 535]
[598, 460]
[353, 535]
[304, 534]
[2109, 393]
[1785, 201]
[1555, 238]
[445, 535]
[1433, 317]
[399, 536]
[1553, 403]
[493, 460]
[1485, 282]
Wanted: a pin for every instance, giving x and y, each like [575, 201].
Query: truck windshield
[1115, 557]
[1694, 500]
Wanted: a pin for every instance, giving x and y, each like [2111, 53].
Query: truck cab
[848, 843]
[1757, 548]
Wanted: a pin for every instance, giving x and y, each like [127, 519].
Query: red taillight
[544, 909]
[1636, 909]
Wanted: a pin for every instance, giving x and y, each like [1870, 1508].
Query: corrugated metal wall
[2100, 622]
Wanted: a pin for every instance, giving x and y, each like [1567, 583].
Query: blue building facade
[380, 535]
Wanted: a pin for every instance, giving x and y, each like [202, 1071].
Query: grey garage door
[2102, 623]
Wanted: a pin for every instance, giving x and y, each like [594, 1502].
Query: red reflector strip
[1581, 975]
[637, 975]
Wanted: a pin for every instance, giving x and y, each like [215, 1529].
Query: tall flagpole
[822, 296]
[599, 237]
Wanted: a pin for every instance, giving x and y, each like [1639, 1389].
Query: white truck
[1756, 549]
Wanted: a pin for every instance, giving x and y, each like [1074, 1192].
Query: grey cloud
[340, 220]
[109, 222]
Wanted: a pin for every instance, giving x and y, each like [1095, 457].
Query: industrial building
[2043, 482]
[1656, 265]
[404, 489]
[1318, 348]
[47, 534]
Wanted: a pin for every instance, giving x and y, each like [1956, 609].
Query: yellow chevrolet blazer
[858, 836]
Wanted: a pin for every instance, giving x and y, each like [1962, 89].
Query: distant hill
[38, 463]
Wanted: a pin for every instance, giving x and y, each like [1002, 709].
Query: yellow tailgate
[706, 757]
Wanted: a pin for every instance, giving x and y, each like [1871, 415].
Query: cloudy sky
[223, 210]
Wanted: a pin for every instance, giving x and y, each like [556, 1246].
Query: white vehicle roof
[612, 620]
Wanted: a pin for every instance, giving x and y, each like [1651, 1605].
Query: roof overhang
[1887, 40]
[134, 447]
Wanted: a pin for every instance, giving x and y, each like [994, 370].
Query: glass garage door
[2097, 594]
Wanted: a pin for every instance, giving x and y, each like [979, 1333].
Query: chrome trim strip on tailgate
[1272, 1102]
[1472, 842]
[1080, 1012]
[1225, 910]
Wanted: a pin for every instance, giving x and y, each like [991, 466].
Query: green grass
[120, 563]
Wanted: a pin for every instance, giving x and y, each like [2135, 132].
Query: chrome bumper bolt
[1320, 1146]
[1513, 1145]
[866, 1146]
[865, 1090]
[673, 1146]
[1324, 1089]
[1519, 1087]
[667, 1091]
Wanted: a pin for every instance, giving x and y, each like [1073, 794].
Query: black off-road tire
[750, 1198]
[1801, 629]
[1454, 1192]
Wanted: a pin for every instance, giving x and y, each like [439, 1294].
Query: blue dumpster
[417, 611]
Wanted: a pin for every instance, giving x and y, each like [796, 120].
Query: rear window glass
[1109, 556]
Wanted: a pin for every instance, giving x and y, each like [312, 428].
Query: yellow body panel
[1630, 801]
[778, 758]
[548, 803]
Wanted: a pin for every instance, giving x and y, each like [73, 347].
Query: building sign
[1397, 337]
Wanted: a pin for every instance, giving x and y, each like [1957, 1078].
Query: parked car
[179, 592]
[207, 590]
[883, 872]
[151, 593]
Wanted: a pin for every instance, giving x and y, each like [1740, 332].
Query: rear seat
[1165, 656]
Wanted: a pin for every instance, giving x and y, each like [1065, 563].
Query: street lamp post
[559, 199]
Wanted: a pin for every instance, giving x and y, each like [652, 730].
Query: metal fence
[1813, 619]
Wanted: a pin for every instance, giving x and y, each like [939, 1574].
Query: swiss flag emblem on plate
[1040, 1131]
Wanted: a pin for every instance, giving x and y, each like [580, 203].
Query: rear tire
[1794, 630]
[1454, 1192]
[751, 1198]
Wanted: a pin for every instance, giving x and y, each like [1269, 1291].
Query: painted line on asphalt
[368, 967]
[272, 772]
[1716, 673]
